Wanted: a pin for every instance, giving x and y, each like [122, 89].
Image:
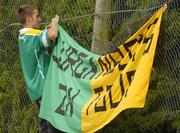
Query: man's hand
[55, 20]
[52, 30]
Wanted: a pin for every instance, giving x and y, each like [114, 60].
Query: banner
[84, 91]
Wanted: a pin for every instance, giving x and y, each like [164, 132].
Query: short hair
[25, 11]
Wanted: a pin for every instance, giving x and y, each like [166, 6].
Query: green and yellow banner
[83, 91]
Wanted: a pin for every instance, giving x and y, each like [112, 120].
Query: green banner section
[67, 87]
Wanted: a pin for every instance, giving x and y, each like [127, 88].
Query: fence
[19, 115]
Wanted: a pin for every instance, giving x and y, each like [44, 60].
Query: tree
[159, 115]
[102, 25]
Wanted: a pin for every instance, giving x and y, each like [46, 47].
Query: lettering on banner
[73, 60]
[109, 98]
[63, 109]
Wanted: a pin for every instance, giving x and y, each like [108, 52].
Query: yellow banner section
[124, 77]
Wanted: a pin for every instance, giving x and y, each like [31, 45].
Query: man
[33, 46]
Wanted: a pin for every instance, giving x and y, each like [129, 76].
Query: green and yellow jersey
[34, 59]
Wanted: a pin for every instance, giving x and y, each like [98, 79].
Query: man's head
[29, 16]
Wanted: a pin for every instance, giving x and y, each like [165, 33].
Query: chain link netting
[123, 18]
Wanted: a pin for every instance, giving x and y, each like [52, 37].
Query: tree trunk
[101, 27]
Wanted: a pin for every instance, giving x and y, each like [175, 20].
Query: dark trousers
[45, 126]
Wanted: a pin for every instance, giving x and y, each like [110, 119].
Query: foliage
[161, 110]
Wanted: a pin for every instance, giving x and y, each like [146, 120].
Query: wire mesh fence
[124, 17]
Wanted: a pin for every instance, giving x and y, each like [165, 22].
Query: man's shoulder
[30, 31]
